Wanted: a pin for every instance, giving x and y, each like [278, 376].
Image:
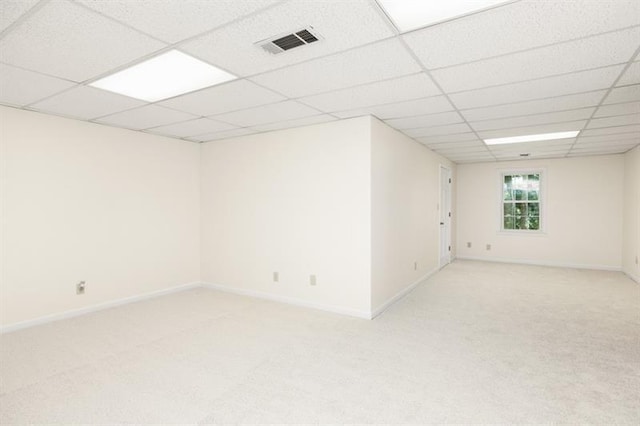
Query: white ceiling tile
[618, 120]
[184, 129]
[460, 137]
[396, 90]
[583, 81]
[533, 130]
[437, 130]
[282, 111]
[531, 120]
[172, 20]
[232, 96]
[222, 135]
[539, 146]
[429, 120]
[12, 10]
[623, 94]
[631, 75]
[86, 103]
[145, 117]
[423, 106]
[518, 26]
[539, 106]
[593, 52]
[608, 138]
[610, 130]
[600, 150]
[68, 41]
[445, 145]
[305, 121]
[20, 87]
[354, 67]
[618, 109]
[532, 155]
[341, 25]
[628, 143]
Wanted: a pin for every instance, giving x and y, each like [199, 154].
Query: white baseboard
[402, 293]
[290, 300]
[632, 277]
[94, 308]
[542, 263]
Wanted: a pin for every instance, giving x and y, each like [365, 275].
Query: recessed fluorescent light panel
[408, 15]
[164, 76]
[532, 138]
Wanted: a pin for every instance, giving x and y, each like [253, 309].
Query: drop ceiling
[523, 67]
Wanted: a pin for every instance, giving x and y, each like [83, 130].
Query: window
[521, 201]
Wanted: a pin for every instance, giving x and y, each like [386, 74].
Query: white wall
[294, 201]
[81, 201]
[631, 222]
[405, 195]
[583, 213]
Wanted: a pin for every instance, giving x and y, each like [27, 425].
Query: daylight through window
[521, 202]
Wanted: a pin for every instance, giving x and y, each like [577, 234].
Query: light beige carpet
[477, 343]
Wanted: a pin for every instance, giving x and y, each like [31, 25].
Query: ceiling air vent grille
[290, 41]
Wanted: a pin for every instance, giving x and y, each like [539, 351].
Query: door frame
[444, 215]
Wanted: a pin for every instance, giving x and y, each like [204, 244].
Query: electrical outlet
[81, 287]
[276, 277]
[469, 244]
[488, 246]
[415, 266]
[312, 280]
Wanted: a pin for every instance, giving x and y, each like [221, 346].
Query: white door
[445, 216]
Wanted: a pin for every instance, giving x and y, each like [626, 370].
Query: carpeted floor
[476, 343]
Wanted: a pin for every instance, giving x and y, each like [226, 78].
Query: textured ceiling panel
[221, 135]
[341, 25]
[145, 117]
[450, 129]
[424, 106]
[226, 97]
[532, 120]
[351, 68]
[618, 109]
[609, 138]
[399, 89]
[68, 41]
[593, 52]
[533, 130]
[305, 121]
[539, 106]
[195, 127]
[266, 114]
[465, 144]
[519, 26]
[20, 87]
[86, 103]
[12, 10]
[623, 94]
[458, 137]
[429, 120]
[619, 120]
[172, 20]
[610, 130]
[584, 81]
[631, 75]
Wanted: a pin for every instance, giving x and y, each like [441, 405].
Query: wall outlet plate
[312, 280]
[81, 287]
[276, 277]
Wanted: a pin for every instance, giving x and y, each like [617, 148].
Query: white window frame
[541, 201]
